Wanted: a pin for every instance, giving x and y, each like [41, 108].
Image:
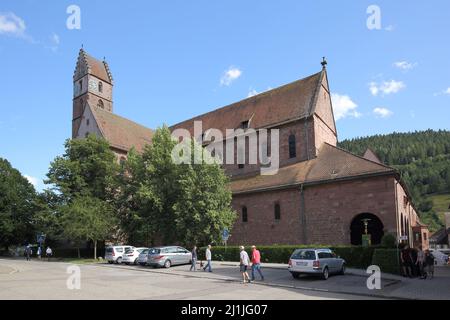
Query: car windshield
[304, 255]
[154, 251]
[145, 251]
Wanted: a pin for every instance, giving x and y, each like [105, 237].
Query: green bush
[389, 241]
[357, 257]
[387, 260]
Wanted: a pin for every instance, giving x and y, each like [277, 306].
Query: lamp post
[366, 241]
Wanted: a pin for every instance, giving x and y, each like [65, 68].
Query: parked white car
[440, 258]
[114, 254]
[131, 255]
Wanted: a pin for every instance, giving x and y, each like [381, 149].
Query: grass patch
[80, 261]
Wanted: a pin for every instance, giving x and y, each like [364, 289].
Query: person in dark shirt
[405, 258]
[429, 262]
[414, 265]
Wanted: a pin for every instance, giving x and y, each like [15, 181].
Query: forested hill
[423, 159]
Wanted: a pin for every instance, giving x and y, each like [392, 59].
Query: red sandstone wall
[329, 209]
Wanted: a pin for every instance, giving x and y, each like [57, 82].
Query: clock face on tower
[92, 85]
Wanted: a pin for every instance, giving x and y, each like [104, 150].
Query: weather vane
[324, 62]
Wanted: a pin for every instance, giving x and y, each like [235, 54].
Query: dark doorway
[374, 228]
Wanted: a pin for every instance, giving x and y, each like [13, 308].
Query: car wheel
[167, 264]
[342, 272]
[296, 275]
[119, 261]
[136, 261]
[325, 273]
[110, 262]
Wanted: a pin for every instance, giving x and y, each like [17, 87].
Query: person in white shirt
[208, 258]
[48, 253]
[244, 263]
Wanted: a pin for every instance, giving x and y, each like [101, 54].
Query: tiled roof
[120, 132]
[372, 156]
[288, 102]
[98, 68]
[331, 163]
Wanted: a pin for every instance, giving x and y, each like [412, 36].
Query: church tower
[93, 85]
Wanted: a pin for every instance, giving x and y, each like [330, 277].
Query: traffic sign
[225, 234]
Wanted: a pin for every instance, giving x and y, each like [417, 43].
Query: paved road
[47, 280]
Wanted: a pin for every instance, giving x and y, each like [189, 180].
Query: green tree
[17, 206]
[177, 203]
[88, 218]
[88, 167]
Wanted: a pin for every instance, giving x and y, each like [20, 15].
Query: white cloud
[55, 38]
[386, 87]
[382, 112]
[10, 24]
[447, 91]
[405, 65]
[343, 107]
[252, 92]
[229, 76]
[32, 180]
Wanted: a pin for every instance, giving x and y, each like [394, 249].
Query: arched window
[277, 211]
[100, 87]
[244, 214]
[292, 149]
[100, 103]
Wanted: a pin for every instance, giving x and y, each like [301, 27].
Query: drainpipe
[303, 215]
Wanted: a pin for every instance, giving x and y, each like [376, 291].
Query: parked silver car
[143, 256]
[168, 256]
[322, 262]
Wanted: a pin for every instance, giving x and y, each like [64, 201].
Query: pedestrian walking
[420, 262]
[28, 252]
[243, 264]
[39, 253]
[49, 253]
[405, 258]
[194, 259]
[414, 266]
[256, 263]
[208, 259]
[429, 262]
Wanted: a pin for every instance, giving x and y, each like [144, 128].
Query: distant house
[441, 237]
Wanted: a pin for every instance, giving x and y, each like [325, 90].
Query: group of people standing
[244, 262]
[416, 262]
[29, 253]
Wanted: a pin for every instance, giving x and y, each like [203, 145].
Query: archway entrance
[374, 228]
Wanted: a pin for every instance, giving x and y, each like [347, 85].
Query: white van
[114, 254]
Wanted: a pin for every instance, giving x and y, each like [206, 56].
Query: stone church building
[321, 193]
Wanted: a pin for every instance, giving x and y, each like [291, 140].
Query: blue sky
[172, 60]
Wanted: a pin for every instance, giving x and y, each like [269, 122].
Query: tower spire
[324, 63]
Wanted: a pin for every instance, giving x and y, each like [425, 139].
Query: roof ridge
[123, 118]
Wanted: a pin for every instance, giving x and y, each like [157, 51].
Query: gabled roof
[289, 102]
[370, 155]
[120, 132]
[95, 67]
[331, 164]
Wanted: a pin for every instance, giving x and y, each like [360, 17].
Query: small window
[292, 148]
[425, 237]
[100, 87]
[100, 103]
[241, 166]
[80, 85]
[86, 134]
[277, 210]
[244, 124]
[87, 122]
[244, 214]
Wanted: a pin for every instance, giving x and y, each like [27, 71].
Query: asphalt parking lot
[20, 279]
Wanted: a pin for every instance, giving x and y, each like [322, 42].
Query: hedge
[387, 260]
[355, 256]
